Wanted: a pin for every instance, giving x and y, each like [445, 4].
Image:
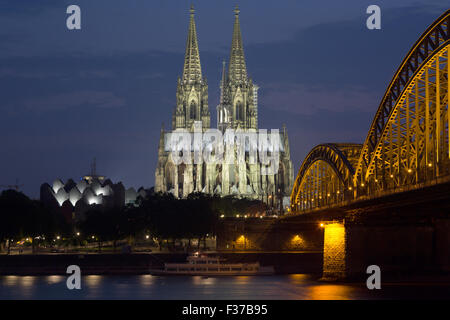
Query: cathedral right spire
[237, 70]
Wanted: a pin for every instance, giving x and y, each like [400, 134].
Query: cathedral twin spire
[192, 70]
[237, 70]
[192, 91]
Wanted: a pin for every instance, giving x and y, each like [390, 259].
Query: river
[286, 287]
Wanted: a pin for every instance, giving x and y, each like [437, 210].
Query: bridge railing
[375, 195]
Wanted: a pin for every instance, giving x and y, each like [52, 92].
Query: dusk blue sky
[104, 91]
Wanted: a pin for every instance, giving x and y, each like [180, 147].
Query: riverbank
[140, 263]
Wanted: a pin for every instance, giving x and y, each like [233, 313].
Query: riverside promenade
[139, 263]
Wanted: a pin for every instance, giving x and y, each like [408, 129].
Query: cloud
[97, 99]
[26, 7]
[311, 99]
[102, 74]
[28, 74]
[154, 75]
[342, 52]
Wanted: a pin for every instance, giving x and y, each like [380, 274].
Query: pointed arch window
[239, 111]
[193, 110]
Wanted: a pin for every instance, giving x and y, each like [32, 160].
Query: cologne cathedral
[237, 110]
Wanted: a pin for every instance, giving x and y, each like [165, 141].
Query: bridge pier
[442, 243]
[334, 252]
[399, 250]
[404, 234]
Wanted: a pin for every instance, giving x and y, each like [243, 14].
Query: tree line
[158, 216]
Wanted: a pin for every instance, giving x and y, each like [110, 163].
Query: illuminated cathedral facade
[237, 110]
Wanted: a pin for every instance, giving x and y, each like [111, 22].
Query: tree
[23, 217]
[93, 224]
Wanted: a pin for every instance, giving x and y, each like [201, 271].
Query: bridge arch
[408, 141]
[325, 176]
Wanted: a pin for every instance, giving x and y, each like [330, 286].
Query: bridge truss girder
[408, 143]
[325, 177]
[414, 145]
[398, 126]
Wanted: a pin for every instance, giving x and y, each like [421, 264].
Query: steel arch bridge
[408, 143]
[326, 175]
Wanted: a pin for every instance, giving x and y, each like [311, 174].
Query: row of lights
[245, 216]
[77, 234]
[392, 176]
[376, 180]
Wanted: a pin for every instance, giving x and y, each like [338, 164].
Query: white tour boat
[202, 265]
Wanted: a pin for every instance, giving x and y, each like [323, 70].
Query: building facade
[73, 199]
[237, 111]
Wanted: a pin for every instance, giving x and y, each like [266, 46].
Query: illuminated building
[73, 199]
[237, 110]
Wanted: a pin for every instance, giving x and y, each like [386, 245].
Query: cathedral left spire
[192, 70]
[192, 89]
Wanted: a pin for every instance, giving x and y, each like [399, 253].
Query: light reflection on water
[298, 286]
[329, 292]
[146, 279]
[54, 279]
[10, 281]
[203, 281]
[93, 281]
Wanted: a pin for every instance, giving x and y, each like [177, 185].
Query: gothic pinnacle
[236, 10]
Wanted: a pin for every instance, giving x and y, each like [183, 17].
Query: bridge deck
[432, 200]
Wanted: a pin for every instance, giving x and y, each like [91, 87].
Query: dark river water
[290, 287]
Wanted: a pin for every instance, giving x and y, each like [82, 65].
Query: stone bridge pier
[400, 250]
[401, 239]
